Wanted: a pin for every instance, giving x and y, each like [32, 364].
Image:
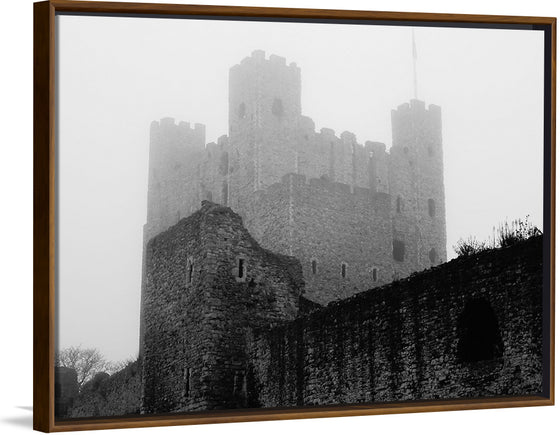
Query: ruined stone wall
[207, 281]
[326, 225]
[104, 395]
[469, 328]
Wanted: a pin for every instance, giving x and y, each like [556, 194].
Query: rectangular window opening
[241, 268]
[190, 270]
[398, 250]
[187, 381]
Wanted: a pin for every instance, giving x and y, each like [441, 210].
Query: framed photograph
[247, 214]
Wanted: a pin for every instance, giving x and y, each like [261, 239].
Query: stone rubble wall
[401, 341]
[194, 344]
[105, 396]
[328, 224]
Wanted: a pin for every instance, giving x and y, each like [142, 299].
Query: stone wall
[327, 226]
[207, 282]
[104, 395]
[469, 328]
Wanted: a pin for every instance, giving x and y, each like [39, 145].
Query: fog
[115, 75]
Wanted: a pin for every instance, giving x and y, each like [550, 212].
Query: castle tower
[264, 112]
[416, 188]
[175, 152]
[173, 181]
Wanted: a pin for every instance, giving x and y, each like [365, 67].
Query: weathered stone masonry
[277, 312]
[207, 282]
[469, 328]
[228, 326]
[104, 395]
[268, 139]
[328, 224]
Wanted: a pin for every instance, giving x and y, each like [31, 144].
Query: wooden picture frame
[45, 202]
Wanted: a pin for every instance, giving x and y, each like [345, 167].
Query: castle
[356, 216]
[281, 290]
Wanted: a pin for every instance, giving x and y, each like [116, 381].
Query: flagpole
[414, 58]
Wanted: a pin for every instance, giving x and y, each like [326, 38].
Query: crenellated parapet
[414, 125]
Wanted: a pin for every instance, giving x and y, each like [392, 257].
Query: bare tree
[86, 362]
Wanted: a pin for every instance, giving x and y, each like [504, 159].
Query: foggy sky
[116, 75]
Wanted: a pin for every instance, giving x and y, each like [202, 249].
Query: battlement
[167, 132]
[347, 139]
[416, 107]
[168, 122]
[413, 123]
[298, 183]
[259, 56]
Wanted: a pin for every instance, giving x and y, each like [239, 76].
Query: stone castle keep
[287, 267]
[356, 216]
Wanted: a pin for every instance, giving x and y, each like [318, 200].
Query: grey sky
[116, 75]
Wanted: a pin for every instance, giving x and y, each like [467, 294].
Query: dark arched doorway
[479, 333]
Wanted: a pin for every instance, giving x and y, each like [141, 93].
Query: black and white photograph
[257, 214]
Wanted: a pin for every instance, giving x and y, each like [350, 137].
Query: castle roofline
[258, 56]
[417, 105]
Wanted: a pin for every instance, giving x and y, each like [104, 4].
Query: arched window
[433, 255]
[479, 333]
[277, 107]
[399, 204]
[343, 270]
[241, 111]
[398, 250]
[314, 267]
[190, 270]
[241, 268]
[187, 375]
[431, 207]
